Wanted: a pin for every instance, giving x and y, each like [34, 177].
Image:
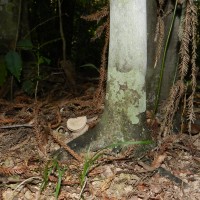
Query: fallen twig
[16, 126]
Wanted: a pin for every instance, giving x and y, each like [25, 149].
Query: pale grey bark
[127, 58]
[124, 115]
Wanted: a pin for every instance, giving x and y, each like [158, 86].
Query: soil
[37, 163]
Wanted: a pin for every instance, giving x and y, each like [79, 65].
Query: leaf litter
[170, 170]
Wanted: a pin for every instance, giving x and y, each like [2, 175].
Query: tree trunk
[68, 8]
[123, 118]
[9, 12]
[153, 74]
[126, 93]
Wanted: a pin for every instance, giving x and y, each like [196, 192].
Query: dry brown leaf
[106, 184]
[158, 161]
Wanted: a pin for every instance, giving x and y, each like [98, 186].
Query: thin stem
[15, 44]
[18, 23]
[82, 189]
[62, 32]
[163, 60]
[49, 42]
[38, 73]
[40, 24]
[11, 87]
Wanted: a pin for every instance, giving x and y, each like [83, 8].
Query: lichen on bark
[126, 93]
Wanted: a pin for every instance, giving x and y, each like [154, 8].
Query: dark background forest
[81, 50]
[40, 24]
[78, 32]
[81, 47]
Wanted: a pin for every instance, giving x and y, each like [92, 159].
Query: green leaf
[43, 59]
[25, 44]
[3, 71]
[46, 173]
[28, 87]
[58, 185]
[14, 63]
[89, 161]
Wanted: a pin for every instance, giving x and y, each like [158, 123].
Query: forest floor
[37, 163]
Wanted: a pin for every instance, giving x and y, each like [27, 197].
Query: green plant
[12, 61]
[52, 167]
[89, 161]
[187, 71]
[30, 84]
[163, 60]
[39, 60]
